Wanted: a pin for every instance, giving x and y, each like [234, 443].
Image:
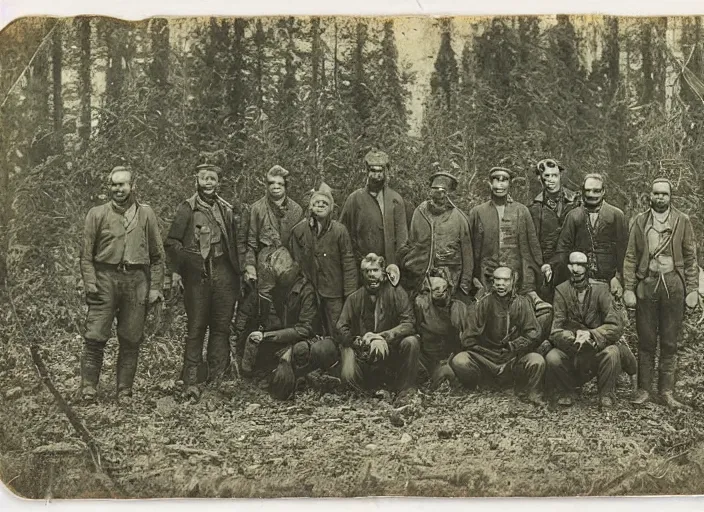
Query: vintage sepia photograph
[298, 256]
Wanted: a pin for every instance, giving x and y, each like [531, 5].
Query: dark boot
[249, 358]
[666, 382]
[91, 364]
[126, 369]
[646, 368]
[190, 381]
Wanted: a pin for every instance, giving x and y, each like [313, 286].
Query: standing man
[500, 338]
[503, 235]
[438, 240]
[122, 263]
[202, 246]
[323, 249]
[584, 333]
[271, 219]
[376, 332]
[548, 210]
[375, 216]
[598, 230]
[660, 277]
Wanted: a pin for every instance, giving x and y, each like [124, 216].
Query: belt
[120, 267]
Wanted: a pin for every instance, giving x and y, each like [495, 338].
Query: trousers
[564, 373]
[399, 368]
[526, 373]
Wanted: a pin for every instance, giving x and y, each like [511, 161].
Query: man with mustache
[323, 249]
[549, 210]
[503, 235]
[202, 245]
[438, 240]
[584, 334]
[500, 337]
[122, 263]
[599, 230]
[375, 215]
[660, 275]
[270, 223]
[376, 332]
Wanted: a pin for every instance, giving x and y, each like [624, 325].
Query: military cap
[444, 179]
[209, 167]
[495, 170]
[376, 158]
[548, 163]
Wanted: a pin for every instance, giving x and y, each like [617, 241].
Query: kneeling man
[500, 338]
[376, 331]
[584, 333]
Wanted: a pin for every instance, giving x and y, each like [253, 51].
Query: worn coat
[182, 245]
[292, 313]
[683, 245]
[606, 244]
[596, 314]
[371, 231]
[439, 328]
[392, 313]
[501, 328]
[268, 231]
[326, 259]
[548, 222]
[438, 241]
[485, 229]
[106, 240]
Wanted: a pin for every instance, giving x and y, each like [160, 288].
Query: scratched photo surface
[337, 257]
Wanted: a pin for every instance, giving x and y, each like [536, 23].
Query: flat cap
[376, 158]
[444, 179]
[498, 170]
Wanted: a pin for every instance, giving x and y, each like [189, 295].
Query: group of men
[506, 294]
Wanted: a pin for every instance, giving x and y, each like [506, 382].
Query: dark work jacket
[369, 231]
[182, 246]
[501, 328]
[547, 222]
[683, 246]
[326, 259]
[392, 307]
[597, 315]
[607, 243]
[439, 327]
[292, 313]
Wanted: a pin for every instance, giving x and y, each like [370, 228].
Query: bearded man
[271, 219]
[500, 339]
[122, 263]
[202, 245]
[584, 334]
[661, 277]
[375, 215]
[376, 332]
[549, 210]
[323, 249]
[599, 230]
[438, 240]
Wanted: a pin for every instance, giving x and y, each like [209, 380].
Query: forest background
[619, 96]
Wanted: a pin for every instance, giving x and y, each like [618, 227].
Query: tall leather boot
[126, 370]
[91, 364]
[646, 368]
[666, 382]
[249, 358]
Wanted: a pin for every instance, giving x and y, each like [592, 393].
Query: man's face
[373, 276]
[276, 186]
[320, 207]
[207, 182]
[593, 192]
[500, 184]
[376, 175]
[578, 267]
[660, 197]
[551, 179]
[439, 292]
[438, 194]
[121, 186]
[503, 281]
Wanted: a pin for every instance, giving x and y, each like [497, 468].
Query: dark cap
[495, 170]
[376, 158]
[209, 167]
[444, 179]
[548, 163]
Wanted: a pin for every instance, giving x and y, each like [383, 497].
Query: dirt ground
[240, 443]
